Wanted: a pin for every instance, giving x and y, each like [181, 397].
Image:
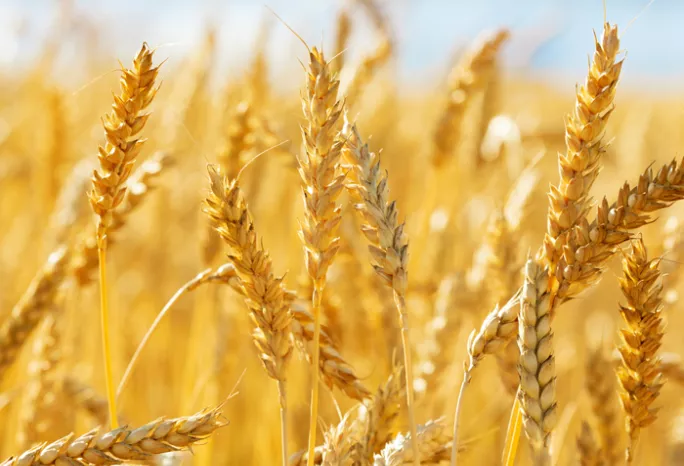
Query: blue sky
[552, 37]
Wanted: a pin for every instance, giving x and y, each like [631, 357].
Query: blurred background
[549, 37]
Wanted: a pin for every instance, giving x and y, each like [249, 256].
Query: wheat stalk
[333, 367]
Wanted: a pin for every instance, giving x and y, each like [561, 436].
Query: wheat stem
[223, 275]
[400, 301]
[104, 319]
[282, 393]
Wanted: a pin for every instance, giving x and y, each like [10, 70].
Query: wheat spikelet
[455, 303]
[587, 448]
[503, 266]
[537, 370]
[124, 444]
[465, 80]
[569, 201]
[639, 375]
[38, 300]
[434, 445]
[601, 386]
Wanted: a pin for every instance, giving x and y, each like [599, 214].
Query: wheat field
[201, 268]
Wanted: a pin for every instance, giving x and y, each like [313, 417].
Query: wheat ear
[388, 243]
[32, 307]
[263, 290]
[537, 394]
[123, 444]
[122, 129]
[322, 184]
[639, 375]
